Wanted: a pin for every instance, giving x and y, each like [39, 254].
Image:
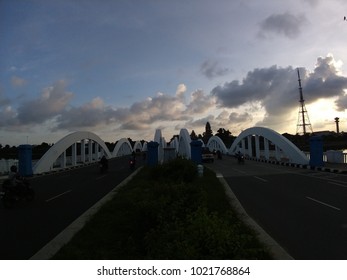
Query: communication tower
[303, 124]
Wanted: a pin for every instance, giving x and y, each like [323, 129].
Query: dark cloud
[257, 86]
[285, 24]
[276, 89]
[240, 118]
[341, 103]
[211, 69]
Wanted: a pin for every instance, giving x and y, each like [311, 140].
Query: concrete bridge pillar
[249, 141]
[277, 153]
[243, 146]
[83, 150]
[74, 154]
[257, 147]
[152, 154]
[96, 155]
[25, 160]
[90, 150]
[266, 149]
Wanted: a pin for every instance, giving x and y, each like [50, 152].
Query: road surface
[305, 211]
[60, 199]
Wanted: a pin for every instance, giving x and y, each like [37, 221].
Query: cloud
[139, 115]
[181, 90]
[267, 96]
[211, 69]
[8, 118]
[52, 102]
[275, 89]
[90, 114]
[240, 118]
[199, 103]
[285, 24]
[341, 103]
[17, 81]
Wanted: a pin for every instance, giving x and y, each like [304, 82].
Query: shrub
[165, 214]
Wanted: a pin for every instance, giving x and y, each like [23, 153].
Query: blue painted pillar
[316, 151]
[25, 160]
[152, 154]
[196, 151]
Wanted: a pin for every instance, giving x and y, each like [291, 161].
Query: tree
[193, 135]
[225, 136]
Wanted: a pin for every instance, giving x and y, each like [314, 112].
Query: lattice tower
[303, 125]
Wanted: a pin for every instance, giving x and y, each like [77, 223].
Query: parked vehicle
[207, 155]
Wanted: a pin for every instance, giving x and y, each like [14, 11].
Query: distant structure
[303, 124]
[337, 125]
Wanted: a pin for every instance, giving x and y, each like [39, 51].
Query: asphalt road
[60, 199]
[305, 211]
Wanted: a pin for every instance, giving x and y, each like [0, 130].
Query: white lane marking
[219, 175]
[323, 203]
[100, 177]
[54, 197]
[337, 184]
[261, 179]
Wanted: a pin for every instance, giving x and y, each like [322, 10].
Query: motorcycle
[240, 159]
[103, 165]
[132, 164]
[11, 194]
[103, 168]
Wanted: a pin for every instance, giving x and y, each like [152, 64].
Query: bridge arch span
[138, 146]
[184, 143]
[122, 148]
[282, 145]
[215, 143]
[47, 160]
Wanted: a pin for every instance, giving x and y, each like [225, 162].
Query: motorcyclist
[16, 181]
[132, 161]
[104, 163]
[240, 157]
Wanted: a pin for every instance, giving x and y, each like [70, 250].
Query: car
[207, 155]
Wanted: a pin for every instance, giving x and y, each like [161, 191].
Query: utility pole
[303, 123]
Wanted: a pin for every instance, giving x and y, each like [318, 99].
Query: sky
[124, 68]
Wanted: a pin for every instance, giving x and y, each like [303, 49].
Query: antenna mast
[303, 119]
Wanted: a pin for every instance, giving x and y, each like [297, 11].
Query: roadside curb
[303, 166]
[51, 248]
[277, 251]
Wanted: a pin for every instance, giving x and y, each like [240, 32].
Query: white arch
[162, 143]
[289, 149]
[184, 144]
[138, 146]
[47, 160]
[122, 148]
[144, 148]
[215, 143]
[174, 143]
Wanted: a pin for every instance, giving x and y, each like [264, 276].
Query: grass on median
[166, 212]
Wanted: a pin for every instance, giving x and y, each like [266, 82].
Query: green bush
[177, 170]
